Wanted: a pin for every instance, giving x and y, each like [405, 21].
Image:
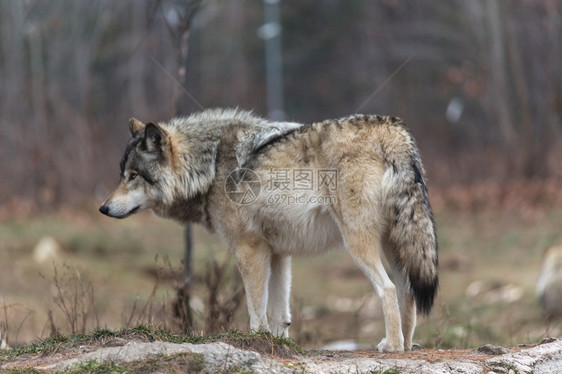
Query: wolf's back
[411, 229]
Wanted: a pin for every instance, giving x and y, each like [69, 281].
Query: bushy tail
[412, 229]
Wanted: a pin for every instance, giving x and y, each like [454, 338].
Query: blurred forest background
[478, 82]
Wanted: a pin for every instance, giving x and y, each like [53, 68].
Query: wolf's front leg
[254, 260]
[278, 310]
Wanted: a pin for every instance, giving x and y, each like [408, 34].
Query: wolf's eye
[132, 176]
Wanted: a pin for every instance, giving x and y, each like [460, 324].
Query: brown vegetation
[480, 89]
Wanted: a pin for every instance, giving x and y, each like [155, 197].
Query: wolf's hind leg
[278, 310]
[407, 307]
[405, 297]
[254, 264]
[366, 251]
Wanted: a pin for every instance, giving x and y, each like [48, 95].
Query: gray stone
[541, 359]
[220, 357]
[489, 349]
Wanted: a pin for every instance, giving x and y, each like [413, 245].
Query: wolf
[243, 177]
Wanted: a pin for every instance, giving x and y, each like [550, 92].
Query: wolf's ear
[154, 137]
[135, 126]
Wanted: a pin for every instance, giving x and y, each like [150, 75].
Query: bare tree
[498, 66]
[69, 73]
[178, 16]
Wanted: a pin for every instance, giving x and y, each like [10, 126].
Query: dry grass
[128, 271]
[263, 343]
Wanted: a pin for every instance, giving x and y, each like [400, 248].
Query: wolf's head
[144, 158]
[160, 165]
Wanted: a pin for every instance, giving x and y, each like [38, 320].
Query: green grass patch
[178, 363]
[42, 346]
[21, 371]
[101, 337]
[387, 371]
[261, 342]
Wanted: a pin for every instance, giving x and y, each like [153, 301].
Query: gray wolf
[229, 170]
[549, 283]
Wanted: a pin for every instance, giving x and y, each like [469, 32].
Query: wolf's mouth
[130, 213]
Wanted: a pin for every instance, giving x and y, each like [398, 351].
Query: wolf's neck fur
[192, 210]
[194, 141]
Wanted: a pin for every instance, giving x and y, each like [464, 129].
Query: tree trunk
[498, 68]
[180, 37]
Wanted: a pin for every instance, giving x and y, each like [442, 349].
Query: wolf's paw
[260, 328]
[409, 346]
[281, 329]
[385, 346]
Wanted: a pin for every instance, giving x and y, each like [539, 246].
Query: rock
[548, 340]
[489, 349]
[382, 364]
[541, 359]
[549, 283]
[218, 357]
[3, 344]
[47, 249]
[506, 294]
[475, 288]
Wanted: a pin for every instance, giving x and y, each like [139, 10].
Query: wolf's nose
[104, 209]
